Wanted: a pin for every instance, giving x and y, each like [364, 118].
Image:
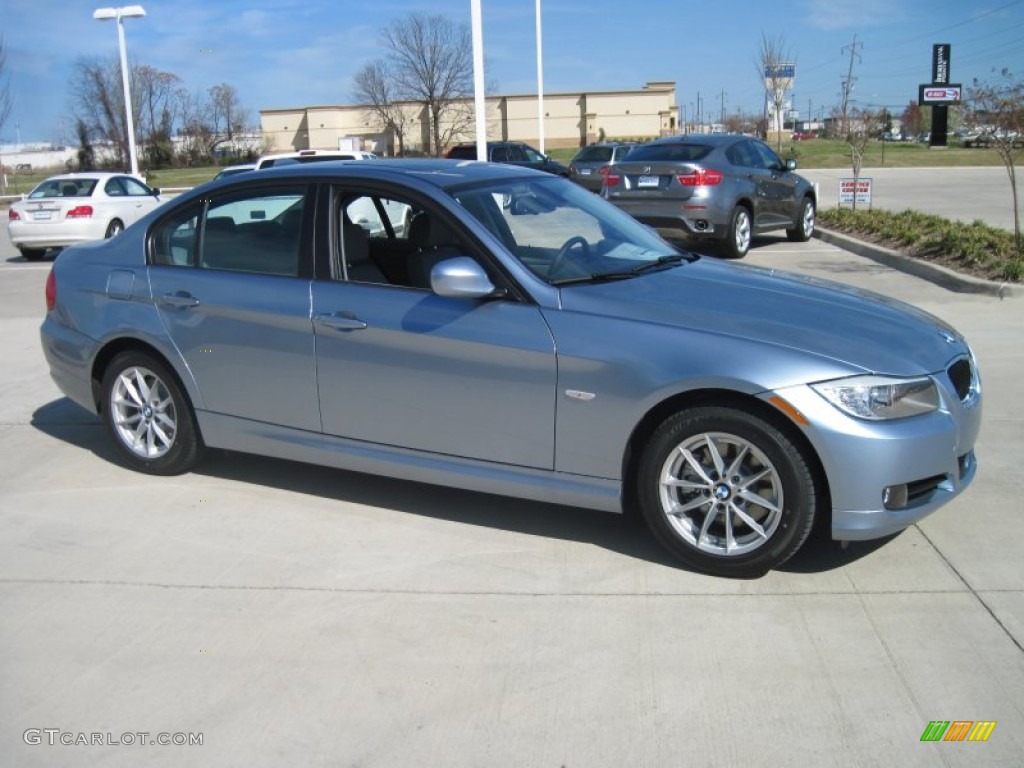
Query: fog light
[895, 496]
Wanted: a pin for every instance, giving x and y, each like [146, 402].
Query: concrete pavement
[295, 615]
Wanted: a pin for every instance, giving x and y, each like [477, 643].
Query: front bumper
[926, 461]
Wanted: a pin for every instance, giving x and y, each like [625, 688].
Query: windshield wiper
[597, 277]
[661, 261]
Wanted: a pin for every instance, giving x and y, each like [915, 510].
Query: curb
[935, 273]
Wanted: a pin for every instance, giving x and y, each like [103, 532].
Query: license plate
[42, 215]
[648, 181]
[584, 171]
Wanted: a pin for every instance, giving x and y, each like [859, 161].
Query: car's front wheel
[726, 492]
[737, 239]
[149, 416]
[804, 229]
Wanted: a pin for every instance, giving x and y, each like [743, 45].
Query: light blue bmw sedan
[498, 329]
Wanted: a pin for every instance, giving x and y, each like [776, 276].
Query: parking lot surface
[296, 615]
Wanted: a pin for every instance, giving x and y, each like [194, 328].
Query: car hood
[859, 328]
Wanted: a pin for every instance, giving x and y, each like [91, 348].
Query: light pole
[128, 11]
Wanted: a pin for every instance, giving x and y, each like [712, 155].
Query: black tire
[114, 228]
[32, 254]
[686, 532]
[739, 234]
[165, 417]
[804, 229]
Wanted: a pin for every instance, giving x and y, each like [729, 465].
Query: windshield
[562, 232]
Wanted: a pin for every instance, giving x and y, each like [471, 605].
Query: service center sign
[932, 95]
[862, 191]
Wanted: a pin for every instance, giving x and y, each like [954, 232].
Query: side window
[134, 188]
[768, 158]
[114, 187]
[530, 154]
[257, 232]
[736, 156]
[174, 240]
[501, 155]
[752, 158]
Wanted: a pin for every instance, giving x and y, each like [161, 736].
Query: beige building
[571, 120]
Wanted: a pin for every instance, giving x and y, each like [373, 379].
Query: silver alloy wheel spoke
[721, 494]
[143, 413]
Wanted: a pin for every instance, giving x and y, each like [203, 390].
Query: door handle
[340, 321]
[179, 299]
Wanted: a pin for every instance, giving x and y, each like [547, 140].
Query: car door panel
[225, 325]
[404, 367]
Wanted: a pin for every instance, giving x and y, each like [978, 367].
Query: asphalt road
[961, 194]
[294, 615]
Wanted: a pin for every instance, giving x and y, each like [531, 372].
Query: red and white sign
[862, 191]
[940, 94]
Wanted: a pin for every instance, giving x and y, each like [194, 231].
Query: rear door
[781, 186]
[230, 278]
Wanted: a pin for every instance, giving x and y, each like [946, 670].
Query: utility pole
[722, 120]
[699, 118]
[848, 82]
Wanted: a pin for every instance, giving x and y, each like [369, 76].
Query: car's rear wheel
[737, 239]
[32, 254]
[804, 229]
[726, 492]
[149, 416]
[114, 228]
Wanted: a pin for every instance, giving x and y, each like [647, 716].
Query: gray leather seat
[434, 243]
[356, 252]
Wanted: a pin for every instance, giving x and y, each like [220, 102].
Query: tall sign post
[940, 94]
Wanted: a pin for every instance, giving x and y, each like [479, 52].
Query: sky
[293, 53]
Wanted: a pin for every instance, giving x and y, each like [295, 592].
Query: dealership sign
[848, 190]
[940, 94]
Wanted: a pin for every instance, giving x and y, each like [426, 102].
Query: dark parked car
[523, 337]
[724, 187]
[588, 166]
[511, 153]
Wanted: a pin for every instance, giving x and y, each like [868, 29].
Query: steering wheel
[568, 245]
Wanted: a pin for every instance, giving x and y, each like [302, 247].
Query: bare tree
[98, 101]
[226, 114]
[999, 105]
[856, 127]
[194, 126]
[375, 88]
[431, 62]
[774, 67]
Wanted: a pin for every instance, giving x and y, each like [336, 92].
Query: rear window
[677, 153]
[594, 155]
[63, 188]
[462, 153]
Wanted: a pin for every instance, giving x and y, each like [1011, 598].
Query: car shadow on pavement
[625, 534]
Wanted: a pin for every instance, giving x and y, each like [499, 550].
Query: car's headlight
[880, 397]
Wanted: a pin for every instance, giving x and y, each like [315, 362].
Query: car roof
[87, 175]
[438, 172]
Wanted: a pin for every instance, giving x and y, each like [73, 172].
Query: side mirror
[156, 191]
[460, 278]
[791, 164]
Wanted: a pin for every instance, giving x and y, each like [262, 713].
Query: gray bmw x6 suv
[723, 187]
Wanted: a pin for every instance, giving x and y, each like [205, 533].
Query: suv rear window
[463, 153]
[595, 155]
[677, 153]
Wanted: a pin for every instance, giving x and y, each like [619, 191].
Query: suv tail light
[610, 179]
[700, 177]
[80, 212]
[12, 215]
[51, 291]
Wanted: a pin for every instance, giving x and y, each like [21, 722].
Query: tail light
[603, 170]
[12, 215]
[700, 177]
[51, 291]
[610, 178]
[80, 212]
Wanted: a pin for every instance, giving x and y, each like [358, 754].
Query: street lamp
[128, 11]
